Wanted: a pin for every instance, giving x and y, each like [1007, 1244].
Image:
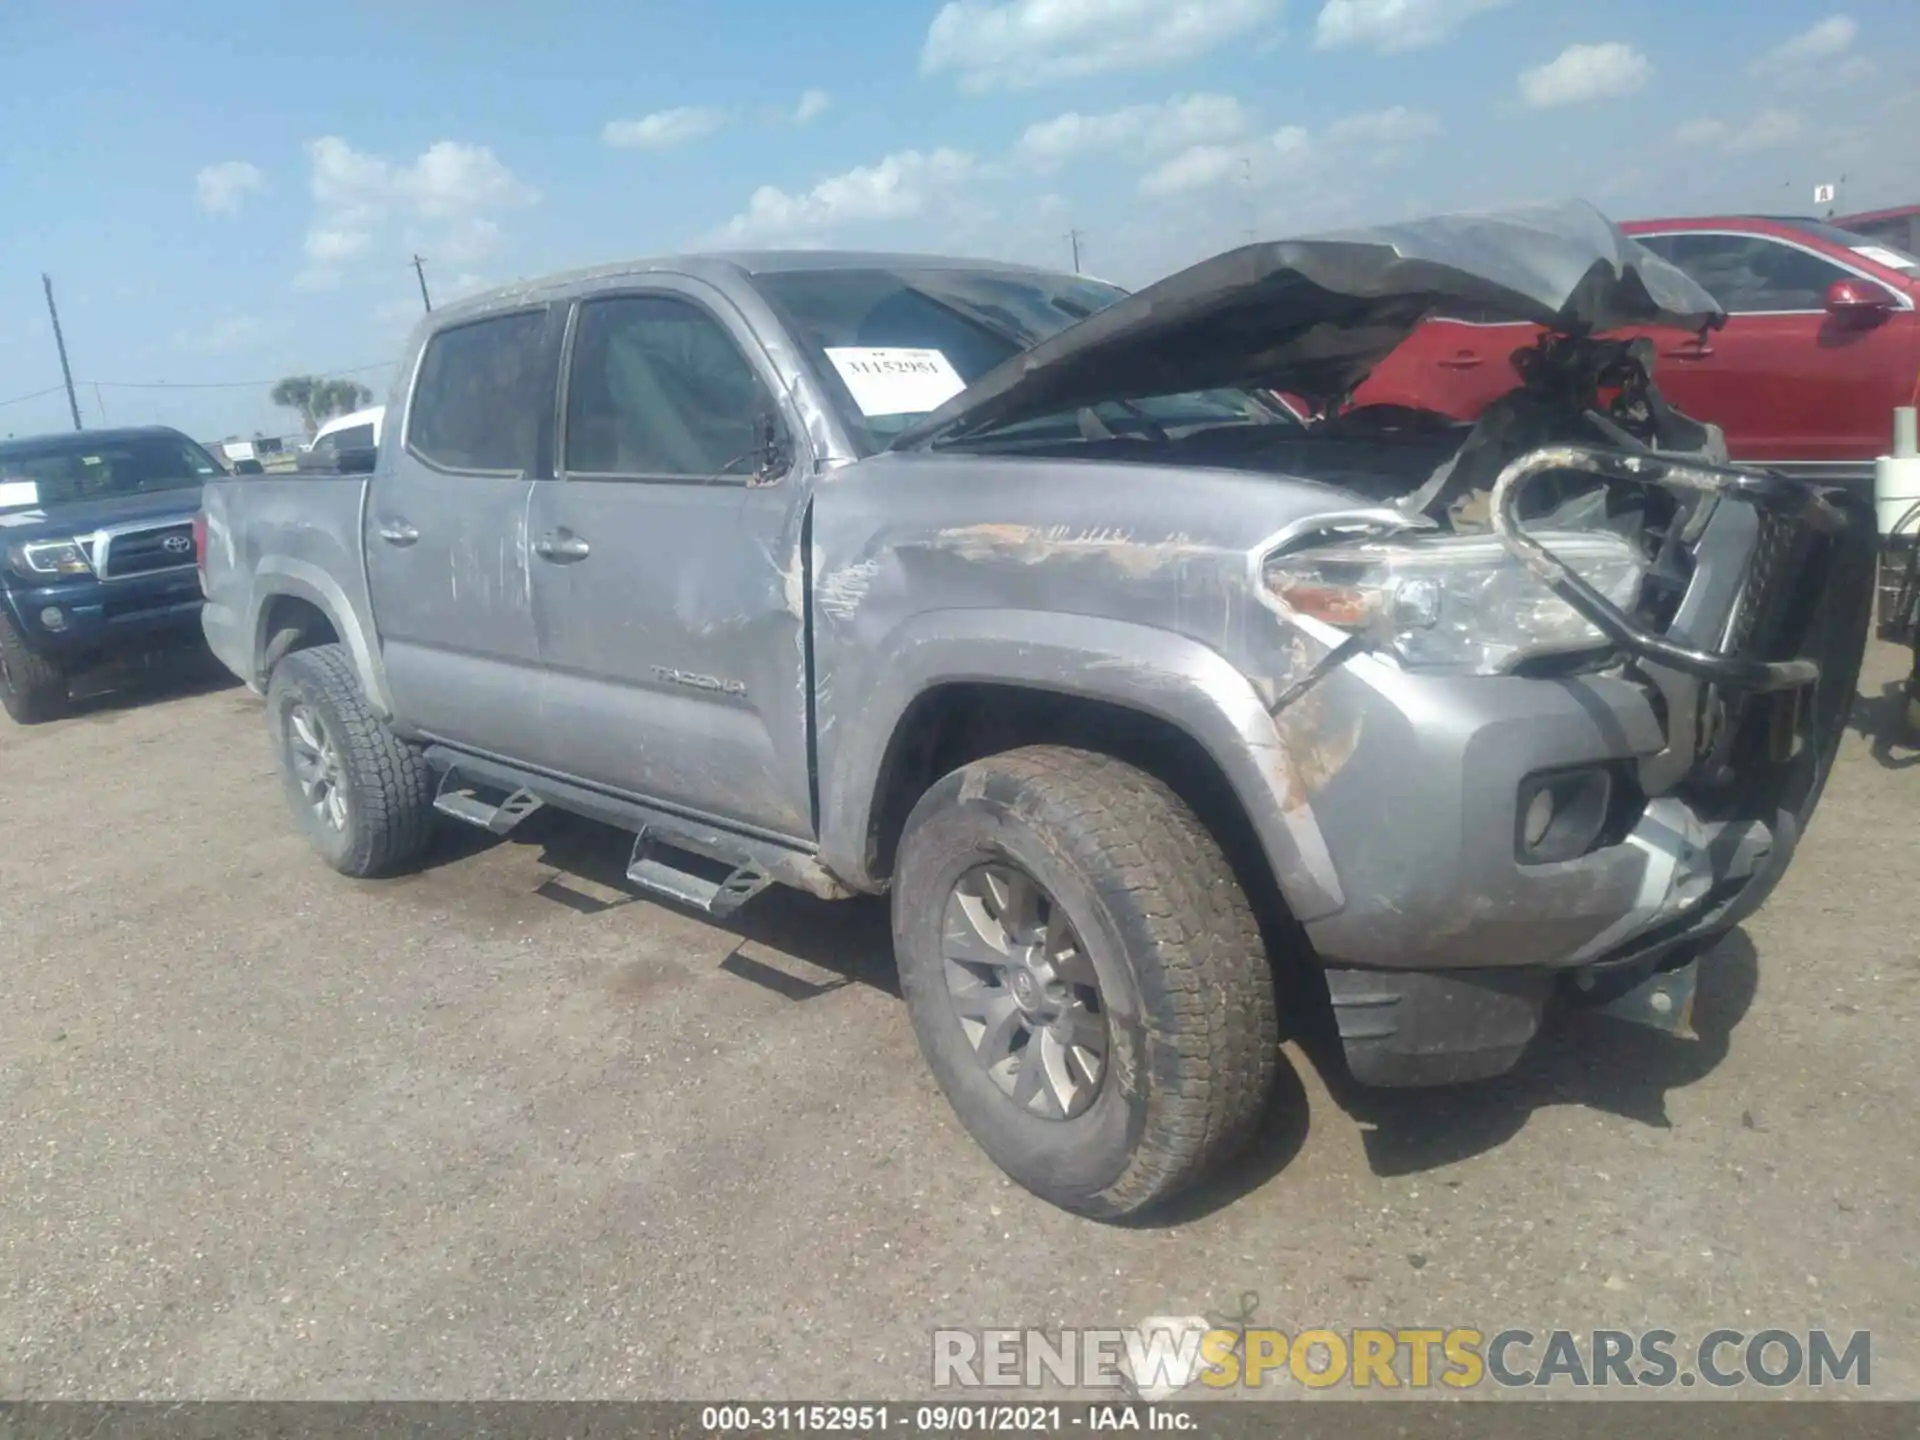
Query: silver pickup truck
[1138, 665]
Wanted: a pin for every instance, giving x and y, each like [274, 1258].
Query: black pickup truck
[97, 533]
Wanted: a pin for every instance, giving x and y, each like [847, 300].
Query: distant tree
[318, 399]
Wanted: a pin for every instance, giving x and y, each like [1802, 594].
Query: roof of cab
[708, 265]
[60, 441]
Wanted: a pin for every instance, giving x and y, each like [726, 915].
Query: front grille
[141, 552]
[1777, 553]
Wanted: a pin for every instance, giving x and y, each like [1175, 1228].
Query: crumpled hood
[1313, 316]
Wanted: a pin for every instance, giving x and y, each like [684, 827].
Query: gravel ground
[501, 1129]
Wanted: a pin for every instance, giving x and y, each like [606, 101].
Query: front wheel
[361, 795]
[1085, 976]
[32, 687]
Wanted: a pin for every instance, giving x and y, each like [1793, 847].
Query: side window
[1748, 274]
[477, 403]
[658, 387]
[354, 437]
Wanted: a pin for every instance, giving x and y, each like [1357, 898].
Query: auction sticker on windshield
[19, 492]
[894, 381]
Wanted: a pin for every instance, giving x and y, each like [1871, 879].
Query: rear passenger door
[446, 534]
[668, 582]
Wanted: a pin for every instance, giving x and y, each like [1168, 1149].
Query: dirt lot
[500, 1128]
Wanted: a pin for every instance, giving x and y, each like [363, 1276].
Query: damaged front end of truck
[1604, 672]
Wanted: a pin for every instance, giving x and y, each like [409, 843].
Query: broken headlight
[1459, 603]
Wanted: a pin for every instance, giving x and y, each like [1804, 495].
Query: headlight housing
[50, 557]
[1457, 603]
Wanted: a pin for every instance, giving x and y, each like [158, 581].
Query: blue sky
[225, 192]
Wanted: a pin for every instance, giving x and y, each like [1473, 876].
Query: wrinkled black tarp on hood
[1313, 316]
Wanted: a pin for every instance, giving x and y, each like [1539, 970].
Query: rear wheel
[361, 795]
[1085, 977]
[32, 687]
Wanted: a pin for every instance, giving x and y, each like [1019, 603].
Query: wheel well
[953, 725]
[290, 623]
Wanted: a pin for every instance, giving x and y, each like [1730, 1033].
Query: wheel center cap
[1026, 989]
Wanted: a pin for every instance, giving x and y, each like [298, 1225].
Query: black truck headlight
[50, 557]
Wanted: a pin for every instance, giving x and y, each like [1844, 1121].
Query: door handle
[560, 547]
[398, 532]
[1465, 360]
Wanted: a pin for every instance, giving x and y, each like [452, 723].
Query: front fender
[280, 575]
[1135, 667]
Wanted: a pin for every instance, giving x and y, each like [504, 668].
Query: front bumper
[101, 619]
[1716, 742]
[1420, 824]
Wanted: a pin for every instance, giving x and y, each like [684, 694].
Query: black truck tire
[361, 795]
[32, 687]
[1153, 907]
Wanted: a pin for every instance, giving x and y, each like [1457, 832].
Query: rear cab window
[479, 396]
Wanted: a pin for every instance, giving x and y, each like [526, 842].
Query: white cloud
[1200, 167]
[665, 129]
[1831, 37]
[222, 187]
[1767, 130]
[1372, 140]
[901, 186]
[1823, 55]
[991, 44]
[1383, 132]
[1147, 129]
[442, 202]
[1391, 25]
[1584, 73]
[813, 104]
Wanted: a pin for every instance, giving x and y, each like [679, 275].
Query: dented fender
[1168, 676]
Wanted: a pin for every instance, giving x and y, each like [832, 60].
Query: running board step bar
[461, 799]
[661, 865]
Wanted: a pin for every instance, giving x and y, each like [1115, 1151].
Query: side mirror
[248, 467]
[358, 461]
[1858, 301]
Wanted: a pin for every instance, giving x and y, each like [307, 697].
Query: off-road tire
[1184, 978]
[32, 688]
[387, 784]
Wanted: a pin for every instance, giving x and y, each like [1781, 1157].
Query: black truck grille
[140, 552]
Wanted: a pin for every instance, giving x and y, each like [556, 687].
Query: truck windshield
[891, 345]
[80, 467]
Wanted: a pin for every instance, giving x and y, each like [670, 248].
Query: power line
[22, 399]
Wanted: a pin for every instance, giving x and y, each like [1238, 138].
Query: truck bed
[303, 530]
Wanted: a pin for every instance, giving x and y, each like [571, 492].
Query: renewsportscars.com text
[1163, 1359]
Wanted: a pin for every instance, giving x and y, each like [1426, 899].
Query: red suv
[1822, 342]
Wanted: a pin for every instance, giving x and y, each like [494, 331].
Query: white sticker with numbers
[893, 381]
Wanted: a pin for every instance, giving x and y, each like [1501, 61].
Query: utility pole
[422, 276]
[66, 372]
[1246, 178]
[1073, 238]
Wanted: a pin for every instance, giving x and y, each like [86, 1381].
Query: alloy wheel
[1024, 991]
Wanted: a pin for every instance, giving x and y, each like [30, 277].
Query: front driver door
[446, 535]
[667, 573]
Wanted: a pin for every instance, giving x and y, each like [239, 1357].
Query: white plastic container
[1896, 478]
